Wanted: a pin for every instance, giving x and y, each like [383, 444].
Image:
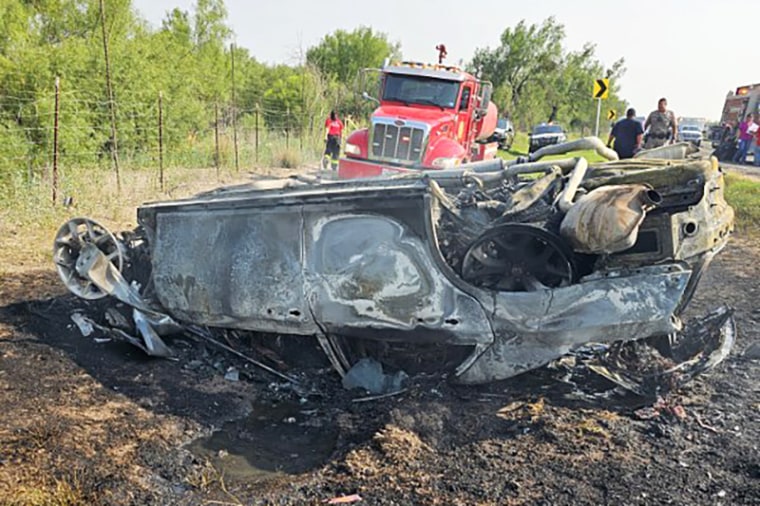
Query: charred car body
[511, 264]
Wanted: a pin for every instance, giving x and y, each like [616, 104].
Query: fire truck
[745, 100]
[429, 116]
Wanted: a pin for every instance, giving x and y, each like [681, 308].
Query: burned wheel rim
[70, 240]
[518, 258]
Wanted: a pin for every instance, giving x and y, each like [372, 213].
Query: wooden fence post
[55, 137]
[111, 103]
[216, 138]
[256, 135]
[234, 111]
[287, 128]
[161, 139]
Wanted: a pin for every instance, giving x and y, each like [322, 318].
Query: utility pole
[111, 103]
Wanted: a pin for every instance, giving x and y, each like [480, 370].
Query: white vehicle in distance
[690, 133]
[545, 134]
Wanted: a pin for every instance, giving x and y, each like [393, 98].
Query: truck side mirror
[486, 88]
[367, 96]
[368, 78]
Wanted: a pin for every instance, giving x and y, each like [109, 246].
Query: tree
[533, 73]
[527, 55]
[342, 54]
[571, 88]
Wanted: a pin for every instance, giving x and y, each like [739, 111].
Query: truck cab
[428, 117]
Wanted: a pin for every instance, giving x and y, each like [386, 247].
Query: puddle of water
[271, 441]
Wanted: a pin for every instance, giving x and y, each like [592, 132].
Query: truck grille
[391, 142]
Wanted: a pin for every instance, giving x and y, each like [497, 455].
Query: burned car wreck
[510, 264]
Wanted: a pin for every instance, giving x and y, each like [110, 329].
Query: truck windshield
[421, 90]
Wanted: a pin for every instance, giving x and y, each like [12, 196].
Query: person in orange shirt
[333, 132]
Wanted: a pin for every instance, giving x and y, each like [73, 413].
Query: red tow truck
[428, 117]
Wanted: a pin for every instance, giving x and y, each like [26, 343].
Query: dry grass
[206, 478]
[63, 492]
[29, 220]
[287, 158]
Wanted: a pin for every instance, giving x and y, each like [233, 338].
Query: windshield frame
[443, 102]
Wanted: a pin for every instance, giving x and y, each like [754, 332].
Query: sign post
[601, 91]
[598, 112]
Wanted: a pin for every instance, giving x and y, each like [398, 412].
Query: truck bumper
[353, 168]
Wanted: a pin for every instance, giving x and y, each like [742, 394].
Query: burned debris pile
[515, 264]
[526, 229]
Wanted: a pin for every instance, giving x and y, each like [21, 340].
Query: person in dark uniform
[333, 132]
[627, 134]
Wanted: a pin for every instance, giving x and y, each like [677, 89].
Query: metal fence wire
[42, 133]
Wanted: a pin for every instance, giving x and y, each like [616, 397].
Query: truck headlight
[353, 149]
[446, 163]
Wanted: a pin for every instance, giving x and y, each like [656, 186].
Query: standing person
[627, 134]
[728, 132]
[745, 139]
[333, 132]
[727, 146]
[757, 148]
[662, 125]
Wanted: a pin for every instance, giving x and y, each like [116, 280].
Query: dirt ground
[87, 422]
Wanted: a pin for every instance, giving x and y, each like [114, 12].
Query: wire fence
[41, 134]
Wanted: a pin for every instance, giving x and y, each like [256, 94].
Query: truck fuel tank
[485, 127]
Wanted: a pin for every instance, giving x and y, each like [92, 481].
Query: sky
[691, 52]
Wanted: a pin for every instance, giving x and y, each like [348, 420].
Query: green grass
[520, 148]
[743, 194]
